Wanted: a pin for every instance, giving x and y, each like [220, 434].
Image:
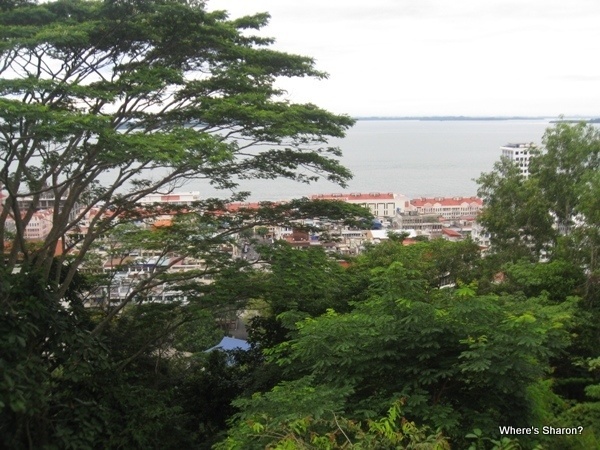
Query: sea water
[411, 157]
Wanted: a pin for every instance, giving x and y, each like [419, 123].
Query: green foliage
[571, 157]
[557, 279]
[435, 263]
[139, 93]
[333, 432]
[554, 211]
[480, 442]
[460, 360]
[299, 284]
[585, 413]
[101, 103]
[553, 216]
[516, 213]
[47, 358]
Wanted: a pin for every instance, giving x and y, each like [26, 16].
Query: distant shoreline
[481, 118]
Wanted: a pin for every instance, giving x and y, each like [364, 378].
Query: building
[520, 154]
[447, 207]
[480, 235]
[381, 204]
[48, 201]
[452, 235]
[429, 225]
[174, 198]
[39, 225]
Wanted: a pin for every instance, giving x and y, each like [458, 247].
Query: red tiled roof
[450, 232]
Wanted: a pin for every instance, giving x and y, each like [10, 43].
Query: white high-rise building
[519, 154]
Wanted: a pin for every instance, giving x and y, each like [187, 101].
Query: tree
[101, 103]
[10, 4]
[561, 192]
[460, 361]
[515, 212]
[434, 263]
[566, 170]
[554, 210]
[330, 432]
[104, 102]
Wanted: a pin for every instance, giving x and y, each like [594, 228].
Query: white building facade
[520, 154]
[174, 198]
[447, 207]
[381, 204]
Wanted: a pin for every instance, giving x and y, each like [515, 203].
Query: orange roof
[450, 232]
[236, 206]
[162, 223]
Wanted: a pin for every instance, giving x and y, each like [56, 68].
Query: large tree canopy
[102, 102]
[554, 211]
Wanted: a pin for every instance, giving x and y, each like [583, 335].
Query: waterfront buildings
[381, 204]
[447, 207]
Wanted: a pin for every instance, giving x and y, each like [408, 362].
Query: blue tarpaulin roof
[229, 343]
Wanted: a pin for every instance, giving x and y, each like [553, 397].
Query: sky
[440, 57]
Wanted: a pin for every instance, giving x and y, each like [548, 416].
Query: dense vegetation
[431, 345]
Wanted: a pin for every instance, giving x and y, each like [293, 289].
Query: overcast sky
[440, 57]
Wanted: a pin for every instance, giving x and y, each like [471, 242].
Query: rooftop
[355, 196]
[519, 145]
[446, 201]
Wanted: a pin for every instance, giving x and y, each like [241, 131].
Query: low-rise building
[480, 235]
[49, 201]
[381, 204]
[174, 198]
[447, 207]
[430, 225]
[39, 225]
[451, 234]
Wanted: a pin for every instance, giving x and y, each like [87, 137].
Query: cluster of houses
[451, 218]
